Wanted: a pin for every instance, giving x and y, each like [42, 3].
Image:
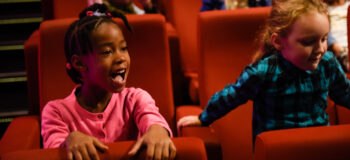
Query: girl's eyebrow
[110, 43]
[311, 36]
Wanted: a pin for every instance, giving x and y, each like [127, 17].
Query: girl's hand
[83, 147]
[188, 121]
[158, 142]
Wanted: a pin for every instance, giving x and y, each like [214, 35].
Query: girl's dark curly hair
[78, 36]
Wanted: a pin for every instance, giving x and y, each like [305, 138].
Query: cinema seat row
[222, 42]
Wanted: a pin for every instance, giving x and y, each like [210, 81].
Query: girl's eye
[307, 43]
[324, 39]
[107, 52]
[124, 49]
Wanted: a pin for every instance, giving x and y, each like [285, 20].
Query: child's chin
[312, 68]
[119, 89]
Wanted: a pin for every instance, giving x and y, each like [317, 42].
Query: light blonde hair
[282, 17]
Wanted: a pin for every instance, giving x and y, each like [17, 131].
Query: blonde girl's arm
[192, 120]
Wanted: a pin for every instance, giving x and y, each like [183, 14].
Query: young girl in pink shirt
[100, 108]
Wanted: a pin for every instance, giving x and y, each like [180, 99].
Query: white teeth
[121, 71]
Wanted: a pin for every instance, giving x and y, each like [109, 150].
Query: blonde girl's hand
[188, 121]
[83, 147]
[158, 142]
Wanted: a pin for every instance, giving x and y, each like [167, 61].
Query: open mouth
[119, 74]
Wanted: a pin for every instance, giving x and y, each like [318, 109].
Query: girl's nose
[120, 58]
[321, 47]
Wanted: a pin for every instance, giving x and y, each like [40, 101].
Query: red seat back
[328, 142]
[183, 15]
[148, 49]
[226, 45]
[187, 148]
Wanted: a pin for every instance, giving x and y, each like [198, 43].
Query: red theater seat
[227, 43]
[57, 9]
[182, 14]
[322, 143]
[186, 149]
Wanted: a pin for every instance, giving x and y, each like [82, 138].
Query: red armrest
[207, 134]
[186, 149]
[327, 142]
[343, 114]
[22, 133]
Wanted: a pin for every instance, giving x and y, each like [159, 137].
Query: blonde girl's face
[108, 66]
[306, 43]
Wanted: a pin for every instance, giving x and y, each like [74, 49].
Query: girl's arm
[158, 142]
[53, 129]
[154, 130]
[56, 133]
[229, 98]
[233, 95]
[82, 146]
[339, 90]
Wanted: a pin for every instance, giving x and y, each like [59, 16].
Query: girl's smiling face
[306, 42]
[108, 66]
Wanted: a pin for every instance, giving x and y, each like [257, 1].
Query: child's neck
[93, 99]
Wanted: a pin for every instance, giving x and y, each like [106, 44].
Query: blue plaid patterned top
[284, 96]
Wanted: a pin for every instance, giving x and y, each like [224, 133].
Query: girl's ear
[276, 41]
[77, 63]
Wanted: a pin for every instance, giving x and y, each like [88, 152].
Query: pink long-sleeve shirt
[128, 116]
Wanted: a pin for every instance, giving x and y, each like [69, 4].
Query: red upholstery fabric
[184, 18]
[187, 110]
[186, 149]
[332, 142]
[207, 134]
[176, 73]
[182, 14]
[226, 46]
[150, 61]
[22, 133]
[343, 114]
[332, 112]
